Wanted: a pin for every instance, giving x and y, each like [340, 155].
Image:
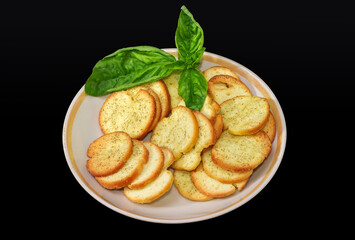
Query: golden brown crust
[114, 181]
[210, 186]
[234, 88]
[161, 89]
[155, 171]
[147, 198]
[240, 185]
[168, 157]
[106, 154]
[218, 70]
[185, 186]
[220, 174]
[211, 129]
[218, 126]
[216, 106]
[158, 108]
[270, 127]
[207, 137]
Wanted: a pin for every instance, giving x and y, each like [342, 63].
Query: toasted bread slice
[163, 93]
[216, 106]
[270, 127]
[152, 190]
[210, 186]
[219, 70]
[172, 83]
[218, 126]
[240, 185]
[220, 174]
[178, 132]
[130, 170]
[131, 114]
[109, 153]
[245, 115]
[206, 137]
[234, 88]
[241, 153]
[210, 108]
[168, 157]
[185, 186]
[151, 169]
[158, 109]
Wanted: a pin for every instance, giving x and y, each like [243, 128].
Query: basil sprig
[189, 39]
[129, 67]
[133, 66]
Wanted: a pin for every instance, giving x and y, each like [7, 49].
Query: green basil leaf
[189, 39]
[129, 67]
[193, 88]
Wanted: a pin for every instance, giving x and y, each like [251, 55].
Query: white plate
[81, 128]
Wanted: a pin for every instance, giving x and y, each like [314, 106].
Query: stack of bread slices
[211, 152]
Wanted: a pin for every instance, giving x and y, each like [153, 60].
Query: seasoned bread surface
[130, 170]
[234, 88]
[185, 186]
[213, 151]
[158, 108]
[131, 114]
[151, 169]
[162, 91]
[220, 174]
[210, 108]
[109, 153]
[241, 153]
[210, 186]
[219, 70]
[245, 115]
[206, 137]
[152, 190]
[178, 132]
[172, 83]
[270, 127]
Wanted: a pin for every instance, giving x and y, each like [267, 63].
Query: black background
[303, 50]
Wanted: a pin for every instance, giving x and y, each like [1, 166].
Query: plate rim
[208, 56]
